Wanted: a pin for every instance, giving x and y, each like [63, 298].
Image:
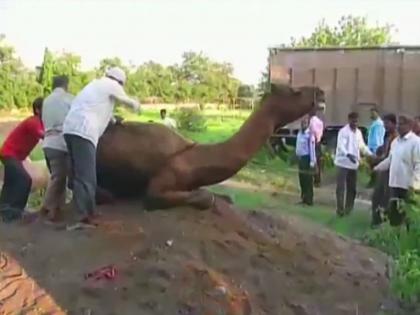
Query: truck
[353, 79]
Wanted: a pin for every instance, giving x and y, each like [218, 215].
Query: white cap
[117, 73]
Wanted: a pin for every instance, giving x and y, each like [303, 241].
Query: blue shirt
[376, 135]
[305, 145]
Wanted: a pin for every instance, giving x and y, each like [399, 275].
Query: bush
[190, 119]
[404, 246]
[406, 278]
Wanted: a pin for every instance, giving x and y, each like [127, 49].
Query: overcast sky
[237, 31]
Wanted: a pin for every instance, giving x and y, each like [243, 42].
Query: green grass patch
[355, 225]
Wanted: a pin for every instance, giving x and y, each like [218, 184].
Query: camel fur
[150, 160]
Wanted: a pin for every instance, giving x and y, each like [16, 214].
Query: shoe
[9, 214]
[84, 223]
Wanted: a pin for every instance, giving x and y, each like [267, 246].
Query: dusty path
[188, 262]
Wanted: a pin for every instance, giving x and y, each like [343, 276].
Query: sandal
[85, 223]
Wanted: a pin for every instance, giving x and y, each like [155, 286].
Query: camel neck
[251, 136]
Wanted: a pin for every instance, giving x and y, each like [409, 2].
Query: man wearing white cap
[89, 115]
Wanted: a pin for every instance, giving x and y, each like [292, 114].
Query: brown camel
[138, 158]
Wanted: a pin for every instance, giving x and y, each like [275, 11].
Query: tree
[350, 31]
[197, 78]
[46, 72]
[18, 86]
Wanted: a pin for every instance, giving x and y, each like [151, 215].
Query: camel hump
[144, 146]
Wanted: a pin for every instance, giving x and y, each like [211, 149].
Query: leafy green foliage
[196, 79]
[18, 86]
[406, 278]
[349, 31]
[404, 245]
[191, 119]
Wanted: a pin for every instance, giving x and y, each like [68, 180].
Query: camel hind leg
[162, 193]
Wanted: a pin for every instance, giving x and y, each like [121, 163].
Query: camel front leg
[200, 198]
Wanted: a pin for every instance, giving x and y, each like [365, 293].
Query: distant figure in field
[380, 196]
[54, 111]
[16, 148]
[167, 121]
[305, 151]
[403, 164]
[316, 127]
[350, 145]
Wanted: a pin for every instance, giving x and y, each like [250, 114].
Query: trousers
[82, 154]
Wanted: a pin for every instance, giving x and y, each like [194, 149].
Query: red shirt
[21, 141]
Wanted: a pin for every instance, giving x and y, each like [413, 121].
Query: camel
[168, 170]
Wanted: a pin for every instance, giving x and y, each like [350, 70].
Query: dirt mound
[187, 262]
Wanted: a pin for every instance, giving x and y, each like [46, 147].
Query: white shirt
[350, 142]
[92, 108]
[403, 162]
[54, 111]
[169, 122]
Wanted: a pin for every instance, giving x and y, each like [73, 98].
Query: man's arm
[120, 96]
[312, 153]
[37, 128]
[362, 145]
[384, 165]
[380, 135]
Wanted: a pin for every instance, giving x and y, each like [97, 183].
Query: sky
[235, 31]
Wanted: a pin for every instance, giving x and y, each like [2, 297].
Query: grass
[355, 225]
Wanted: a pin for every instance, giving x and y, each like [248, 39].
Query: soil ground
[185, 261]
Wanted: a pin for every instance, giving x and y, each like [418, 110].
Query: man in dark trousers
[380, 196]
[305, 151]
[350, 145]
[17, 147]
[403, 164]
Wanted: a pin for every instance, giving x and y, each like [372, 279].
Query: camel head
[287, 104]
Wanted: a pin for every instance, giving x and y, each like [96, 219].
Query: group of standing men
[71, 127]
[393, 152]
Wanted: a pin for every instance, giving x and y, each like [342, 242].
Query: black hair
[60, 81]
[353, 115]
[163, 111]
[405, 119]
[37, 105]
[391, 118]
